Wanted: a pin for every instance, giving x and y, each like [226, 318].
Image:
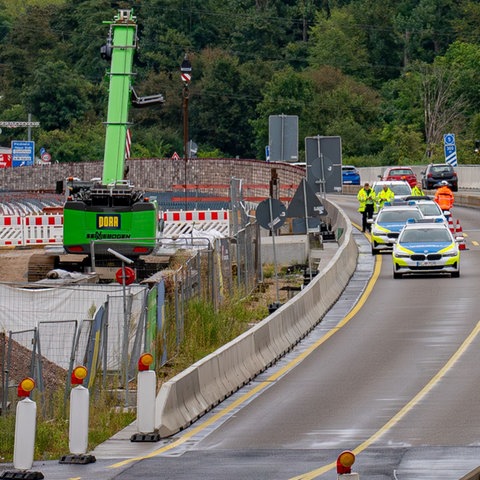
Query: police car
[387, 225]
[429, 208]
[426, 247]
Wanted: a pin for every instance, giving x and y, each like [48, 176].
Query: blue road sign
[450, 149]
[23, 153]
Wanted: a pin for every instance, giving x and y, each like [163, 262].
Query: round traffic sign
[129, 276]
[449, 139]
[46, 157]
[271, 214]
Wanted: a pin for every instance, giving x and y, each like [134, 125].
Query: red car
[400, 173]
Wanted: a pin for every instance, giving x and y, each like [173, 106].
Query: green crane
[109, 213]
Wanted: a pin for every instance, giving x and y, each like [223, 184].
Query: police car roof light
[411, 220]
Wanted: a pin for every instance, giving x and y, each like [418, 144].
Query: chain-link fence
[246, 234]
[50, 329]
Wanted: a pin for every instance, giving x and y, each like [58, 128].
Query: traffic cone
[459, 233]
[450, 225]
[458, 229]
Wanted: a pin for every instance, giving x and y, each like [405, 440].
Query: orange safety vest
[444, 197]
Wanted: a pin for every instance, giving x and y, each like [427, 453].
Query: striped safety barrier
[18, 230]
[182, 222]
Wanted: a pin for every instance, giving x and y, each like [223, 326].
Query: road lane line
[403, 411]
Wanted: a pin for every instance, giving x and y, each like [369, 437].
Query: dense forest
[390, 77]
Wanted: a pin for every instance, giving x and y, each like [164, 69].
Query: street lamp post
[186, 74]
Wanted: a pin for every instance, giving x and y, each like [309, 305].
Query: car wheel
[456, 274]
[374, 251]
[397, 275]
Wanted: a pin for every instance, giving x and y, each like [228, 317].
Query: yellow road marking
[403, 411]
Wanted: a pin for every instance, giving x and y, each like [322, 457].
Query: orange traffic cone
[450, 225]
[459, 233]
[458, 229]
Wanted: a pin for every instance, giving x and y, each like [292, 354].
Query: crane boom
[123, 37]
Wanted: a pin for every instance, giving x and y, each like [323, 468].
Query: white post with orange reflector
[344, 466]
[146, 391]
[78, 420]
[25, 426]
[79, 412]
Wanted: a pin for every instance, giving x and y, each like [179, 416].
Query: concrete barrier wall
[192, 393]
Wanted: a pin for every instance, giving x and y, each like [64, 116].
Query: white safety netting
[52, 311]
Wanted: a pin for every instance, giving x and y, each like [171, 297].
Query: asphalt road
[396, 380]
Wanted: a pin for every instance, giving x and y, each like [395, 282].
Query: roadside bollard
[25, 428]
[146, 391]
[78, 422]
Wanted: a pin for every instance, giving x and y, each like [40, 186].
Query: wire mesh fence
[106, 327]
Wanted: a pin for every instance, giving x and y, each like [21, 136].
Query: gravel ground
[14, 264]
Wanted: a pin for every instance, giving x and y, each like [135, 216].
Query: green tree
[222, 103]
[403, 145]
[81, 31]
[467, 22]
[261, 29]
[29, 40]
[81, 142]
[425, 27]
[57, 96]
[338, 41]
[381, 42]
[14, 113]
[345, 107]
[462, 60]
[288, 93]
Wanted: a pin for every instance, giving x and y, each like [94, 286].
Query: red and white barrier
[29, 230]
[181, 222]
[18, 230]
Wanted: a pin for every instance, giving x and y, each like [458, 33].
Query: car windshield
[400, 171]
[401, 189]
[429, 209]
[348, 169]
[442, 169]
[397, 188]
[397, 216]
[425, 235]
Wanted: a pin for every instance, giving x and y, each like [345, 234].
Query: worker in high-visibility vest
[366, 199]
[444, 196]
[386, 194]
[417, 191]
